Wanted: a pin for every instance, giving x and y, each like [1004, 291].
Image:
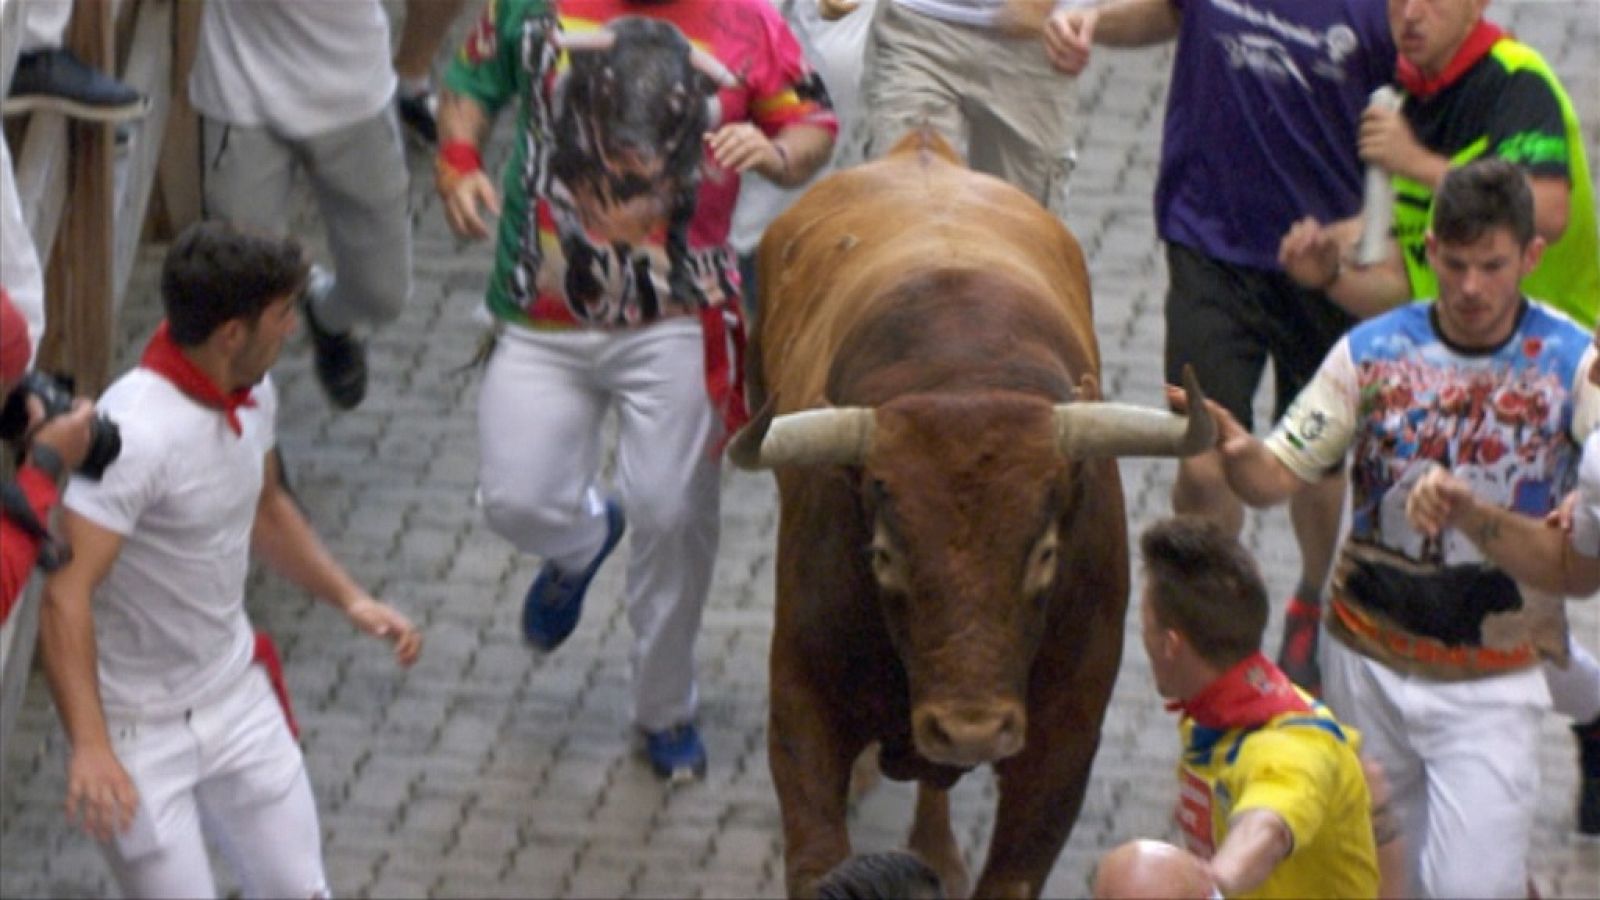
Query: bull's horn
[712, 68]
[834, 436]
[599, 39]
[1099, 430]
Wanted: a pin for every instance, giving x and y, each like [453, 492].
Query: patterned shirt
[614, 216]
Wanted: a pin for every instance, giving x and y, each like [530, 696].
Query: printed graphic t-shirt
[614, 215]
[1261, 120]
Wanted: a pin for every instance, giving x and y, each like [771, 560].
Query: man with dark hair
[881, 876]
[166, 695]
[1432, 653]
[1271, 789]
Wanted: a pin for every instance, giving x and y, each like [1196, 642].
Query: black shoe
[1588, 735]
[1297, 656]
[56, 79]
[341, 359]
[417, 115]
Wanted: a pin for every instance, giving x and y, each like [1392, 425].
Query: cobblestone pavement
[487, 771]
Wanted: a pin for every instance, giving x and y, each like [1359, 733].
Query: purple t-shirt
[1261, 120]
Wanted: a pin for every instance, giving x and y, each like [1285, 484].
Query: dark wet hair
[215, 273]
[881, 876]
[1480, 197]
[1206, 586]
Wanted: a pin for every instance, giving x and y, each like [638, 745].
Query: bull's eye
[888, 566]
[1041, 570]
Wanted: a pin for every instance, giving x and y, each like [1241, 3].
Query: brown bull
[952, 570]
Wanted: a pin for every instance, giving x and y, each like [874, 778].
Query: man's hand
[1309, 253]
[1067, 38]
[743, 147]
[101, 797]
[1561, 517]
[1386, 141]
[383, 621]
[833, 10]
[461, 193]
[67, 434]
[1437, 500]
[1231, 436]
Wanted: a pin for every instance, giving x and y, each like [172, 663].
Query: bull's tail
[926, 142]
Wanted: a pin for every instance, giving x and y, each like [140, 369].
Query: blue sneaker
[676, 753]
[555, 599]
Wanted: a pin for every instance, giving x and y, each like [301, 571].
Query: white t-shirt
[299, 68]
[169, 617]
[979, 13]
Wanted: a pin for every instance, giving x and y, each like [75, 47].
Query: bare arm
[1070, 33]
[1316, 256]
[787, 160]
[1258, 839]
[1254, 473]
[1524, 547]
[463, 123]
[285, 541]
[100, 795]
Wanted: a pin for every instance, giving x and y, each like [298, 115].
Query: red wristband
[461, 156]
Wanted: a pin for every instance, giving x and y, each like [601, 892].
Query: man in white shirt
[282, 86]
[166, 694]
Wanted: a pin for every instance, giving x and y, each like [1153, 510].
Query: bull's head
[967, 496]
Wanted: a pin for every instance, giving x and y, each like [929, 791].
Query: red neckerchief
[164, 357]
[1483, 36]
[1247, 695]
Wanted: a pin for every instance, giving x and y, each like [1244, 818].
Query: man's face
[264, 341]
[1156, 645]
[1428, 32]
[1479, 291]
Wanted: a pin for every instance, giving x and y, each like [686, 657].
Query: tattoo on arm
[1384, 826]
[1489, 531]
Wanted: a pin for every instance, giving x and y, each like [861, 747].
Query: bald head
[1145, 870]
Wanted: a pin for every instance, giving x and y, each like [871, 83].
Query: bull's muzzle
[969, 734]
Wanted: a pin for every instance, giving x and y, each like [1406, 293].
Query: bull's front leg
[1041, 794]
[811, 761]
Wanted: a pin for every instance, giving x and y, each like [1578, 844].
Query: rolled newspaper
[1377, 203]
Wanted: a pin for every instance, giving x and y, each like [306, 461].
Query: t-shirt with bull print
[614, 215]
[1399, 399]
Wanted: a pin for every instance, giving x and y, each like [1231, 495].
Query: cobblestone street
[490, 771]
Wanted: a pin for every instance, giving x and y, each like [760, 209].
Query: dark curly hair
[215, 273]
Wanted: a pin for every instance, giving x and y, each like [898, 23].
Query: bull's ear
[744, 449]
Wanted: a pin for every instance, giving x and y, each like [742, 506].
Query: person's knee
[521, 516]
[371, 292]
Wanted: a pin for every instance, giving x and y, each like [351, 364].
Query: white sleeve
[130, 484]
[1586, 514]
[1585, 398]
[1315, 433]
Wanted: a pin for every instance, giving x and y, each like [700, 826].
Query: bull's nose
[970, 734]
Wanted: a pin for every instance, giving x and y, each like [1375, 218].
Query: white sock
[412, 87]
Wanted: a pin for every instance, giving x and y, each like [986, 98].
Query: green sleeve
[485, 68]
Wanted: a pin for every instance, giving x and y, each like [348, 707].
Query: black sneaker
[417, 115]
[1297, 656]
[56, 79]
[1588, 735]
[341, 359]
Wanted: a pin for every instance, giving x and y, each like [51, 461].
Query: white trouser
[229, 770]
[1462, 759]
[543, 399]
[20, 273]
[995, 97]
[359, 176]
[44, 23]
[1575, 690]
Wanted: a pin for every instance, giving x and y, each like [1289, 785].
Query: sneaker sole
[75, 109]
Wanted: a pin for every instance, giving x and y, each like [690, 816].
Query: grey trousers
[994, 98]
[358, 174]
